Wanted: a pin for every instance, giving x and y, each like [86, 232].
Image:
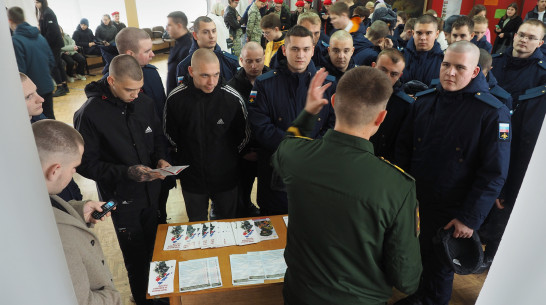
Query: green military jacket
[354, 224]
[253, 29]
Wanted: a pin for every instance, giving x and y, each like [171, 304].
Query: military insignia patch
[504, 131]
[180, 79]
[418, 222]
[252, 96]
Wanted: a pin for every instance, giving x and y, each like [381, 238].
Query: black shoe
[65, 88]
[59, 92]
[410, 300]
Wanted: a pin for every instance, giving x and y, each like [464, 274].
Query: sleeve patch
[252, 96]
[417, 222]
[504, 131]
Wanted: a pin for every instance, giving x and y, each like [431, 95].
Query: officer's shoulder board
[324, 43]
[498, 91]
[435, 82]
[496, 55]
[397, 168]
[542, 64]
[230, 56]
[533, 92]
[489, 99]
[330, 78]
[294, 132]
[403, 96]
[150, 66]
[267, 75]
[425, 92]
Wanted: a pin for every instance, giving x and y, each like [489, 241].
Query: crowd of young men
[461, 147]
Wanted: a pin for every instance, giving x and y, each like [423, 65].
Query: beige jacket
[90, 275]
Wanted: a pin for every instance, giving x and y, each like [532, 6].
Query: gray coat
[90, 275]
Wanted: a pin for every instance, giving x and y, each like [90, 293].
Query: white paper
[161, 277]
[192, 238]
[214, 235]
[171, 170]
[245, 232]
[175, 237]
[228, 238]
[265, 229]
[255, 266]
[193, 275]
[274, 264]
[285, 220]
[205, 235]
[213, 268]
[239, 271]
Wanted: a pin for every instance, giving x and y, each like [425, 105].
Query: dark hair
[39, 12]
[53, 137]
[431, 12]
[179, 17]
[393, 54]
[123, 66]
[128, 39]
[463, 21]
[536, 22]
[480, 20]
[485, 59]
[360, 93]
[476, 10]
[270, 21]
[403, 15]
[361, 11]
[513, 5]
[427, 19]
[379, 29]
[297, 31]
[410, 24]
[339, 8]
[200, 19]
[16, 15]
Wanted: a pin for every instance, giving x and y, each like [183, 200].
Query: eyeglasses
[529, 38]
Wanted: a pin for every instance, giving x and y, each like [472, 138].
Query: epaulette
[398, 168]
[294, 132]
[435, 82]
[498, 91]
[532, 93]
[493, 102]
[324, 43]
[496, 55]
[331, 78]
[418, 94]
[267, 75]
[542, 64]
[403, 96]
[230, 56]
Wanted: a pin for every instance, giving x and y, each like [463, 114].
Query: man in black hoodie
[123, 142]
[84, 38]
[206, 121]
[177, 27]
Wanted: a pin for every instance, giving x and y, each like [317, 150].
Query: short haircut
[427, 19]
[486, 60]
[179, 17]
[360, 94]
[297, 31]
[370, 4]
[16, 15]
[251, 46]
[463, 21]
[128, 39]
[310, 17]
[341, 35]
[431, 12]
[55, 137]
[270, 21]
[465, 47]
[536, 22]
[23, 76]
[361, 11]
[393, 54]
[410, 24]
[480, 20]
[476, 10]
[106, 15]
[123, 66]
[379, 29]
[197, 22]
[403, 15]
[203, 55]
[339, 8]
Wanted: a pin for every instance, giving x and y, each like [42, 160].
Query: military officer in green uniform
[354, 222]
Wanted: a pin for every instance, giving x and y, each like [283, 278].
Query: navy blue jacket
[276, 100]
[333, 71]
[501, 94]
[456, 147]
[398, 107]
[422, 66]
[177, 54]
[525, 79]
[228, 63]
[319, 56]
[34, 57]
[153, 88]
[482, 43]
[365, 51]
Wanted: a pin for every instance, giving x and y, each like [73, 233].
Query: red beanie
[278, 1]
[115, 13]
[327, 2]
[299, 4]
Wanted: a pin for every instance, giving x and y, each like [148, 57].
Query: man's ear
[52, 172]
[190, 71]
[110, 80]
[380, 117]
[373, 64]
[194, 35]
[476, 71]
[283, 50]
[332, 99]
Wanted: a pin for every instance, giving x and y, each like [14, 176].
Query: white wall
[33, 269]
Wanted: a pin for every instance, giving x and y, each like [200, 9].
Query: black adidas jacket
[118, 135]
[209, 131]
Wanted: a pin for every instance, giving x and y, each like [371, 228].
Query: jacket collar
[349, 140]
[478, 84]
[436, 49]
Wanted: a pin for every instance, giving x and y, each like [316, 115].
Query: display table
[268, 293]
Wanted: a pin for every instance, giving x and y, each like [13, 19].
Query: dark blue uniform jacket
[398, 107]
[228, 63]
[422, 66]
[457, 146]
[177, 54]
[501, 94]
[365, 51]
[482, 43]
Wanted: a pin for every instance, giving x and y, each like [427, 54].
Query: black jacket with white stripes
[209, 131]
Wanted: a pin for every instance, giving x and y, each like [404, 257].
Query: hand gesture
[501, 35]
[315, 94]
[461, 230]
[90, 207]
[386, 44]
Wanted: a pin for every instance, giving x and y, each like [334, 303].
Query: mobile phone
[107, 207]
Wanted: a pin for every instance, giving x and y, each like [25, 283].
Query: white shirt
[541, 16]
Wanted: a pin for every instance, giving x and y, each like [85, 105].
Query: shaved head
[466, 47]
[125, 66]
[203, 56]
[341, 35]
[251, 46]
[204, 70]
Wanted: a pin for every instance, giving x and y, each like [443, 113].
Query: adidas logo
[220, 122]
[148, 130]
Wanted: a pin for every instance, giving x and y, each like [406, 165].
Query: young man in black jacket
[177, 27]
[206, 122]
[123, 142]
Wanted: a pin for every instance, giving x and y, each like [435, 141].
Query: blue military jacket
[498, 91]
[457, 146]
[422, 66]
[482, 43]
[365, 51]
[228, 63]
